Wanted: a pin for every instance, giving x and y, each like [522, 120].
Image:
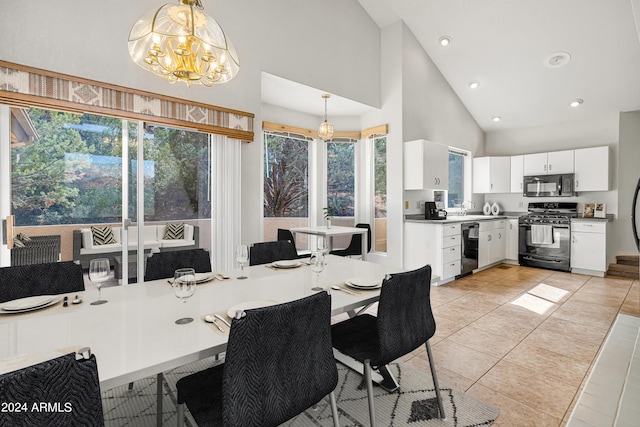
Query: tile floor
[524, 339]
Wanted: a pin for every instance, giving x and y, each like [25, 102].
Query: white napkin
[541, 234]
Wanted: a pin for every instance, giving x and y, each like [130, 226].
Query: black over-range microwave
[549, 185]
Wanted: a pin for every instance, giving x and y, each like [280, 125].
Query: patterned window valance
[31, 87]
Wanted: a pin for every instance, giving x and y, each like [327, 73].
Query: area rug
[414, 404]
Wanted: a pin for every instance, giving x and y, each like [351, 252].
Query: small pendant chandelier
[182, 43]
[325, 130]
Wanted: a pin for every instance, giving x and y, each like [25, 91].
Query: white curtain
[225, 201]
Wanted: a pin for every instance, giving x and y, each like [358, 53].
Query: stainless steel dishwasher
[470, 234]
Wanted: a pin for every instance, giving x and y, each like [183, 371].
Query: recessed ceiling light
[473, 84]
[576, 102]
[444, 41]
[496, 118]
[558, 59]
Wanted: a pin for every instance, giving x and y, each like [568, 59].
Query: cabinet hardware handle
[489, 238]
[550, 166]
[499, 235]
[490, 186]
[521, 186]
[545, 168]
[577, 183]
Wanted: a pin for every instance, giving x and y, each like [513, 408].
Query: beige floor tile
[564, 368]
[464, 309]
[580, 351]
[512, 412]
[523, 385]
[445, 377]
[462, 360]
[576, 331]
[444, 329]
[484, 341]
[498, 324]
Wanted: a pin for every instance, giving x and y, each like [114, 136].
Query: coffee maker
[434, 212]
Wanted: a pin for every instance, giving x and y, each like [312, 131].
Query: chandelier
[181, 43]
[325, 130]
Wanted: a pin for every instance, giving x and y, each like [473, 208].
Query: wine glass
[184, 286]
[99, 272]
[242, 256]
[317, 263]
[322, 244]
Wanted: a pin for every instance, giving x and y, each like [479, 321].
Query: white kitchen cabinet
[589, 247]
[517, 172]
[554, 162]
[592, 169]
[426, 165]
[512, 239]
[492, 242]
[492, 175]
[436, 244]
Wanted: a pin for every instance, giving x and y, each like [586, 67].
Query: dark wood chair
[404, 322]
[279, 363]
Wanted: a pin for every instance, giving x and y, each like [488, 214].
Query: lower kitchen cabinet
[512, 240]
[492, 242]
[589, 247]
[436, 244]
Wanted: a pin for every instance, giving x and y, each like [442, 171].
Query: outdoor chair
[279, 362]
[404, 322]
[36, 250]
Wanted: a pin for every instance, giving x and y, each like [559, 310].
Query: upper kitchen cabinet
[426, 165]
[517, 172]
[592, 169]
[548, 163]
[492, 175]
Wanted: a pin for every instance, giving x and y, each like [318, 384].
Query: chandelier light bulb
[325, 130]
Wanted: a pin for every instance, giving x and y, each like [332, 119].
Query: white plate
[204, 277]
[248, 306]
[26, 303]
[363, 283]
[29, 307]
[287, 263]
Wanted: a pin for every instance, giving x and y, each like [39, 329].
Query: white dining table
[134, 335]
[331, 232]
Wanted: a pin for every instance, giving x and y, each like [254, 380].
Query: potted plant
[328, 215]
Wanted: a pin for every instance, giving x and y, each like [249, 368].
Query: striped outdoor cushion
[174, 231]
[23, 237]
[17, 243]
[102, 235]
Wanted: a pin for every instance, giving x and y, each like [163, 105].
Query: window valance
[24, 86]
[313, 134]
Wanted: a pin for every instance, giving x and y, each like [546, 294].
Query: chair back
[401, 331]
[284, 234]
[355, 245]
[267, 252]
[70, 384]
[162, 265]
[279, 362]
[40, 279]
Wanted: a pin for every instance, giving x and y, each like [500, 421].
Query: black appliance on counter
[545, 235]
[470, 236]
[432, 212]
[549, 185]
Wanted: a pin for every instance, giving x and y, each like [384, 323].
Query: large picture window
[286, 183]
[380, 193]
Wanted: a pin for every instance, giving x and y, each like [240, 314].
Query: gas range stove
[549, 213]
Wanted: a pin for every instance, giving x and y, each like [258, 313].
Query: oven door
[554, 255]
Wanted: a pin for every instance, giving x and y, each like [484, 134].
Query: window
[458, 165]
[341, 179]
[380, 194]
[286, 183]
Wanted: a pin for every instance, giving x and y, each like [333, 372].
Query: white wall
[628, 175]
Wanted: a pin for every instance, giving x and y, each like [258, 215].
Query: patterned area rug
[414, 404]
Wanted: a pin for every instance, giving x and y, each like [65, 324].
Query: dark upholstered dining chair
[70, 381]
[284, 234]
[40, 279]
[279, 363]
[162, 265]
[404, 322]
[355, 246]
[267, 252]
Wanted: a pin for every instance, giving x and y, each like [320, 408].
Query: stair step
[622, 270]
[627, 259]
